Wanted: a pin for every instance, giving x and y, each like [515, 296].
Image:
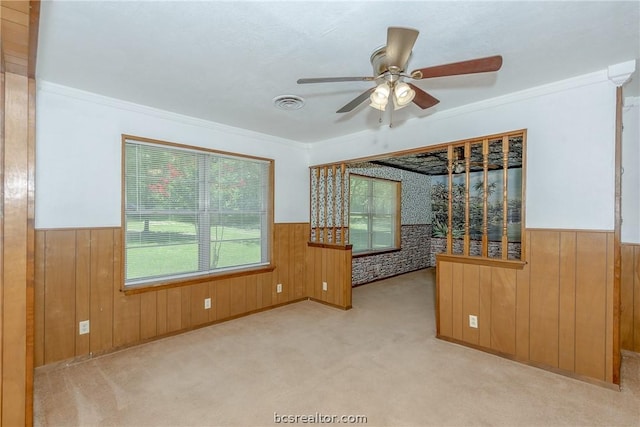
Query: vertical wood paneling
[126, 309]
[331, 275]
[630, 297]
[567, 299]
[456, 300]
[628, 267]
[636, 300]
[280, 251]
[59, 295]
[149, 315]
[347, 286]
[319, 262]
[85, 264]
[558, 310]
[545, 297]
[213, 312]
[39, 298]
[471, 302]
[251, 292]
[185, 309]
[523, 291]
[82, 288]
[503, 310]
[238, 296]
[290, 266]
[612, 317]
[299, 259]
[101, 288]
[484, 317]
[161, 312]
[324, 256]
[445, 298]
[223, 299]
[591, 304]
[174, 309]
[199, 315]
[267, 286]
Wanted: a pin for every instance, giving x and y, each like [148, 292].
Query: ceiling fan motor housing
[381, 65]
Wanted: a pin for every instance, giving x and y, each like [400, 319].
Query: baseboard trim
[568, 374]
[341, 307]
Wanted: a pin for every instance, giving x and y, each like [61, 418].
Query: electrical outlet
[83, 327]
[207, 303]
[325, 286]
[279, 288]
[473, 321]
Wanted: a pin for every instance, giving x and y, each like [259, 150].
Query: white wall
[570, 151]
[78, 156]
[630, 232]
[570, 146]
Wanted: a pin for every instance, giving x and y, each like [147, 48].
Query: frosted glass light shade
[380, 97]
[403, 95]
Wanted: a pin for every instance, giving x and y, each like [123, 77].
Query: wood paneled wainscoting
[329, 274]
[556, 313]
[78, 278]
[630, 297]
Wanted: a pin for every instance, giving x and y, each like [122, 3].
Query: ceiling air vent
[288, 102]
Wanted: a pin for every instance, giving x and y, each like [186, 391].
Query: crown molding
[54, 88]
[534, 92]
[620, 73]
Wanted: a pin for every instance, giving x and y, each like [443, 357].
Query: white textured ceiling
[226, 61]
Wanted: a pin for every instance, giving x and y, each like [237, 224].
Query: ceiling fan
[389, 71]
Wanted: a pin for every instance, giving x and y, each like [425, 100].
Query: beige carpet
[379, 360]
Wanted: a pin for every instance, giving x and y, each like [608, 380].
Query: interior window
[374, 214]
[191, 212]
[477, 199]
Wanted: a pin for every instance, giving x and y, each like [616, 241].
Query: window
[374, 214]
[191, 212]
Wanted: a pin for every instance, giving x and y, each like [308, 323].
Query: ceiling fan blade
[400, 41]
[334, 79]
[422, 98]
[480, 65]
[356, 101]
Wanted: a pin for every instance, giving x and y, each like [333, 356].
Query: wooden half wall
[329, 274]
[78, 278]
[630, 297]
[556, 313]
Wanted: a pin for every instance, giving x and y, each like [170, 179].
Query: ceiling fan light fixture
[380, 97]
[377, 106]
[403, 95]
[381, 94]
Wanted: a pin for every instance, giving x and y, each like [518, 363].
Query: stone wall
[414, 255]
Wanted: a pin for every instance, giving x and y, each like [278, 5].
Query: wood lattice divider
[329, 205]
